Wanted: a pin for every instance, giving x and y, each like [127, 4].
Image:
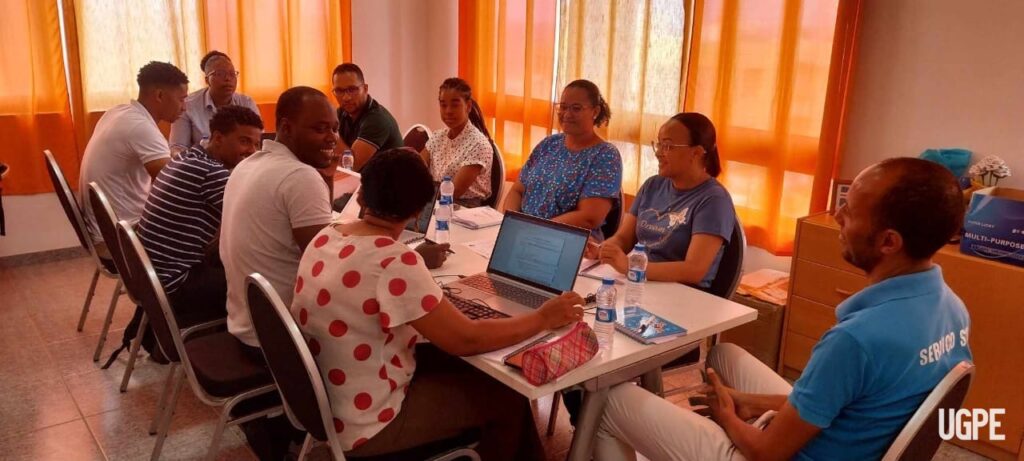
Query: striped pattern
[182, 215]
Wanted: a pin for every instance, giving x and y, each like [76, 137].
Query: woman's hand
[561, 310]
[592, 250]
[613, 256]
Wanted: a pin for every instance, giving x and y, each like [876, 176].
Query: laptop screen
[538, 252]
[422, 224]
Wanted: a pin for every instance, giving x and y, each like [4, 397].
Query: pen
[448, 251]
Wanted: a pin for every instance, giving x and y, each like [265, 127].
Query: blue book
[647, 328]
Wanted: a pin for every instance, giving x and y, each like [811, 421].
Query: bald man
[893, 343]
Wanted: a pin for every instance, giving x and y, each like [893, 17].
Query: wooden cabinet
[993, 293]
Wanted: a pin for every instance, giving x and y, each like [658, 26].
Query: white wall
[406, 49]
[35, 223]
[937, 73]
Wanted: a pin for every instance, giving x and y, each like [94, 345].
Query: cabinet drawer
[809, 318]
[820, 244]
[823, 284]
[798, 350]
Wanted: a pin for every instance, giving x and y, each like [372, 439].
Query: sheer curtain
[35, 112]
[634, 51]
[762, 71]
[278, 44]
[506, 52]
[115, 39]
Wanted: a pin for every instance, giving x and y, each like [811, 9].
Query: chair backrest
[497, 177]
[920, 438]
[106, 221]
[151, 295]
[614, 218]
[416, 137]
[730, 267]
[296, 374]
[68, 202]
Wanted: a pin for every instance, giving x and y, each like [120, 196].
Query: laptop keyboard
[475, 310]
[505, 290]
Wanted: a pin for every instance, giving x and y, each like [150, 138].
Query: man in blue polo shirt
[893, 343]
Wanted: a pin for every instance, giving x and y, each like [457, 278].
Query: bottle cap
[640, 247]
[447, 178]
[607, 281]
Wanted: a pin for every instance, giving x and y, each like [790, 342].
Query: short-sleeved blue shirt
[667, 218]
[556, 179]
[894, 342]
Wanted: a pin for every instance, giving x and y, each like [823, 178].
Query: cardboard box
[762, 336]
[994, 225]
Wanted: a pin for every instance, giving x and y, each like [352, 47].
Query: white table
[702, 314]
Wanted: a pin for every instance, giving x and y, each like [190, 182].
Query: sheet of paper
[478, 217]
[596, 270]
[482, 247]
[762, 277]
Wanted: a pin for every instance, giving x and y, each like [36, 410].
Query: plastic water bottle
[347, 160]
[205, 142]
[604, 324]
[636, 276]
[444, 210]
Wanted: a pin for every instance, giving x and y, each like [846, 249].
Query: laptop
[534, 260]
[414, 231]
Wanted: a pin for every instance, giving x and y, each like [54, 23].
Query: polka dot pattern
[363, 401]
[429, 302]
[351, 279]
[409, 258]
[321, 241]
[323, 297]
[397, 287]
[383, 242]
[314, 347]
[338, 328]
[412, 341]
[338, 426]
[336, 376]
[303, 316]
[346, 251]
[470, 147]
[396, 361]
[362, 352]
[298, 285]
[386, 261]
[386, 415]
[371, 306]
[318, 267]
[385, 320]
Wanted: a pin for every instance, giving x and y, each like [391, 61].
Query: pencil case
[544, 363]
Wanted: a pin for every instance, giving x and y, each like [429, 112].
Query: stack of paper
[477, 218]
[597, 270]
[767, 285]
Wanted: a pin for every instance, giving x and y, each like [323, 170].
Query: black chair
[298, 379]
[614, 218]
[497, 178]
[104, 266]
[730, 268]
[219, 371]
[416, 137]
[920, 438]
[106, 220]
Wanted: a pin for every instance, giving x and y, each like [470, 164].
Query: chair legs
[307, 445]
[133, 352]
[553, 417]
[88, 299]
[106, 322]
[153, 427]
[165, 414]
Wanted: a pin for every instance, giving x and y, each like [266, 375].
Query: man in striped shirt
[180, 224]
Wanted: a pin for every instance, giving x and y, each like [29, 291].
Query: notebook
[595, 269]
[647, 328]
[477, 218]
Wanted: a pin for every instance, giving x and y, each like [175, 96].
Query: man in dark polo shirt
[366, 126]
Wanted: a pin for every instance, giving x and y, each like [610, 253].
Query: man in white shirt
[276, 201]
[127, 150]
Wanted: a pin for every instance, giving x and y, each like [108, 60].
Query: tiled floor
[57, 404]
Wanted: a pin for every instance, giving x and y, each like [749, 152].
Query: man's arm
[361, 153]
[153, 167]
[304, 235]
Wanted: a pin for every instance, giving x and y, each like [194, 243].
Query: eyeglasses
[349, 90]
[666, 146]
[223, 74]
[573, 108]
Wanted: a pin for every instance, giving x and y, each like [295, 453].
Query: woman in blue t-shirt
[573, 177]
[683, 215]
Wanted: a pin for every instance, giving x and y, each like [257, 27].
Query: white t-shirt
[470, 147]
[125, 139]
[268, 194]
[354, 299]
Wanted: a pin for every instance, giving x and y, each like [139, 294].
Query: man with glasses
[221, 83]
[366, 126]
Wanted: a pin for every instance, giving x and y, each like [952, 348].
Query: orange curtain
[772, 75]
[506, 52]
[35, 111]
[278, 44]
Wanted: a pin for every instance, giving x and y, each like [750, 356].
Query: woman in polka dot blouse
[363, 302]
[463, 149]
[573, 177]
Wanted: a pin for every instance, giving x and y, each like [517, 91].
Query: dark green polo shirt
[374, 126]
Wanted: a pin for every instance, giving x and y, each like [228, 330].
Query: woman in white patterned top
[463, 150]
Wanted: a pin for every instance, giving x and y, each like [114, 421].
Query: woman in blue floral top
[573, 177]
